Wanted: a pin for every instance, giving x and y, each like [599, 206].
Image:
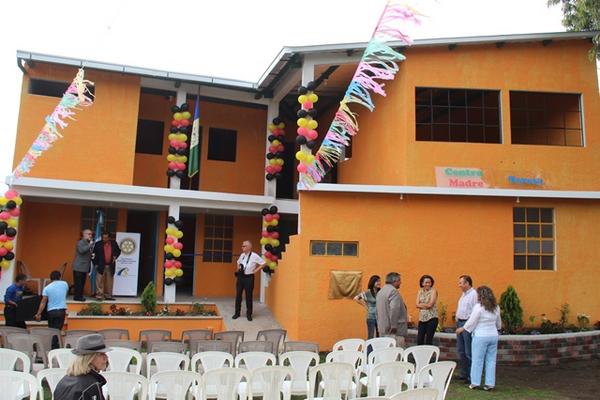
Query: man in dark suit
[104, 255]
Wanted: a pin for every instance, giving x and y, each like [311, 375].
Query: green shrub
[92, 309]
[149, 298]
[512, 313]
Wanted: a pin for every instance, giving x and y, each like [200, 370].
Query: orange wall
[100, 145]
[386, 152]
[441, 236]
[245, 175]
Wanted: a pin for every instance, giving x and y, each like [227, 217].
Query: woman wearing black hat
[83, 380]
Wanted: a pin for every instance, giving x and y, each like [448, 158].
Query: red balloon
[184, 122]
[268, 218]
[3, 251]
[178, 245]
[302, 131]
[272, 149]
[4, 238]
[175, 143]
[177, 264]
[312, 134]
[265, 234]
[307, 105]
[170, 240]
[183, 145]
[172, 165]
[15, 212]
[168, 263]
[268, 254]
[4, 215]
[274, 235]
[276, 216]
[280, 148]
[180, 165]
[174, 123]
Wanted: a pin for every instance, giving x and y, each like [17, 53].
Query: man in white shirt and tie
[463, 340]
[248, 264]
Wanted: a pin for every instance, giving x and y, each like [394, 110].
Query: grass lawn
[460, 390]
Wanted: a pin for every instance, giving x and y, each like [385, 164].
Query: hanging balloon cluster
[180, 127]
[276, 148]
[9, 215]
[270, 238]
[173, 247]
[307, 125]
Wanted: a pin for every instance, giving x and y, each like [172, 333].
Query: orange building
[483, 159]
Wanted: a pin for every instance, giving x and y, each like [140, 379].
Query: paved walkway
[262, 318]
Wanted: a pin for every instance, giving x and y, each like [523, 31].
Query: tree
[582, 15]
[512, 313]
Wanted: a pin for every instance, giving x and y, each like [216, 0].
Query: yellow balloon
[18, 200]
[8, 245]
[182, 159]
[275, 242]
[178, 234]
[272, 264]
[274, 222]
[186, 115]
[275, 142]
[312, 124]
[313, 98]
[172, 136]
[12, 222]
[170, 272]
[280, 161]
[264, 241]
[168, 248]
[281, 125]
[302, 121]
[178, 272]
[182, 137]
[300, 156]
[3, 201]
[171, 157]
[273, 161]
[177, 253]
[271, 127]
[177, 116]
[302, 99]
[310, 159]
[170, 231]
[4, 264]
[265, 223]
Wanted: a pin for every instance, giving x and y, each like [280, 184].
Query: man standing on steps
[248, 264]
[467, 300]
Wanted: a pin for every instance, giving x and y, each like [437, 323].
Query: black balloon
[273, 209]
[302, 90]
[180, 174]
[302, 113]
[300, 140]
[4, 225]
[174, 129]
[170, 173]
[11, 232]
[168, 281]
[172, 150]
[311, 85]
[278, 175]
[276, 120]
[175, 109]
[311, 144]
[11, 204]
[270, 156]
[268, 247]
[271, 138]
[279, 154]
[179, 224]
[9, 256]
[269, 177]
[184, 107]
[266, 269]
[171, 220]
[181, 152]
[272, 228]
[313, 112]
[182, 129]
[169, 256]
[264, 211]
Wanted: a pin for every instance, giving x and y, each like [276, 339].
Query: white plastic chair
[389, 377]
[352, 357]
[337, 379]
[166, 361]
[13, 383]
[208, 360]
[227, 384]
[62, 357]
[299, 361]
[349, 344]
[9, 358]
[416, 394]
[270, 382]
[380, 343]
[125, 385]
[52, 376]
[174, 385]
[119, 360]
[254, 359]
[422, 356]
[437, 375]
[382, 355]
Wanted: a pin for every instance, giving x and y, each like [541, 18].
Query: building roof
[289, 57]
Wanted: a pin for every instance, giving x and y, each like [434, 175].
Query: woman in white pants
[483, 324]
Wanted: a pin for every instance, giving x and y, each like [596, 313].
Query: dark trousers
[372, 331]
[79, 282]
[56, 320]
[426, 331]
[244, 283]
[463, 346]
[10, 317]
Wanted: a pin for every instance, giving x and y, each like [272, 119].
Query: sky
[234, 39]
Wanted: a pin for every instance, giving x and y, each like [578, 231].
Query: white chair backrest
[9, 358]
[208, 360]
[388, 376]
[61, 357]
[337, 378]
[52, 376]
[354, 357]
[386, 355]
[270, 380]
[167, 362]
[350, 344]
[437, 376]
[227, 382]
[12, 384]
[254, 359]
[174, 385]
[422, 355]
[416, 394]
[380, 343]
[125, 385]
[299, 361]
[119, 360]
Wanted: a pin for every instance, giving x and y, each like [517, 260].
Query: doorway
[186, 287]
[145, 223]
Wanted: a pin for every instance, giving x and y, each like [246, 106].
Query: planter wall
[527, 349]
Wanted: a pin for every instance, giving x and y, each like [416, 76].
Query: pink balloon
[183, 145]
[280, 148]
[276, 216]
[265, 234]
[177, 264]
[301, 168]
[274, 235]
[4, 215]
[178, 245]
[15, 212]
[277, 168]
[307, 105]
[272, 149]
[312, 134]
[175, 143]
[168, 264]
[268, 254]
[268, 218]
[3, 251]
[11, 194]
[302, 131]
[170, 240]
[4, 238]
[172, 165]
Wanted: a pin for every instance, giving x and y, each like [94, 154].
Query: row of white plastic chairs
[269, 383]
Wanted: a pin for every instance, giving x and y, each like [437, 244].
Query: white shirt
[466, 303]
[249, 262]
[482, 322]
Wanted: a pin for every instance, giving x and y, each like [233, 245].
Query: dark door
[285, 185]
[187, 255]
[145, 223]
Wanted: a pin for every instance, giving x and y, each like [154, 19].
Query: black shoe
[110, 298]
[79, 298]
[235, 316]
[249, 317]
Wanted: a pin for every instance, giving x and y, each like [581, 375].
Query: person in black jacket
[83, 380]
[104, 255]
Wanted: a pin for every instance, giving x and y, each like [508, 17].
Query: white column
[174, 183]
[272, 112]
